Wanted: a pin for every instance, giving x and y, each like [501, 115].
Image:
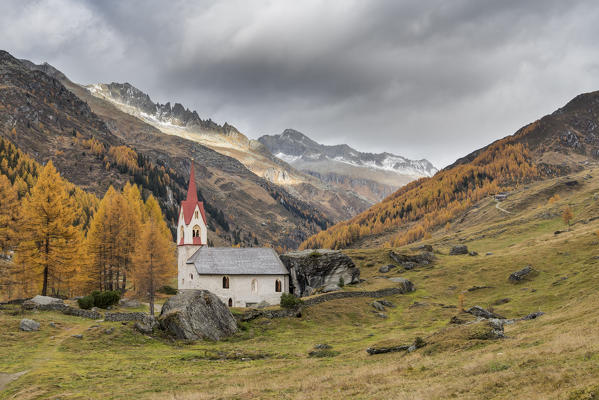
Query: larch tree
[49, 240]
[567, 215]
[9, 214]
[154, 257]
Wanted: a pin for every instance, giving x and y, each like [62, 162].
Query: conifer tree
[154, 257]
[9, 201]
[49, 241]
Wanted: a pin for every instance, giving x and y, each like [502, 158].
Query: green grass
[553, 357]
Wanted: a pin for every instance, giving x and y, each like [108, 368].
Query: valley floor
[555, 356]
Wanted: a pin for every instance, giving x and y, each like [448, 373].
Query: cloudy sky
[423, 79]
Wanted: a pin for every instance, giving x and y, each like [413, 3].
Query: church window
[225, 282]
[191, 276]
[230, 302]
[254, 286]
[278, 286]
[196, 231]
[195, 214]
[182, 234]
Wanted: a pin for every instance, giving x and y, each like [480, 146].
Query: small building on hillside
[240, 277]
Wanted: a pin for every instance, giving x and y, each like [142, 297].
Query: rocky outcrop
[478, 311]
[197, 314]
[523, 274]
[410, 261]
[29, 325]
[405, 286]
[458, 250]
[41, 302]
[311, 270]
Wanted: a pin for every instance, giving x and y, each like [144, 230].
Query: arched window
[278, 286]
[191, 276]
[182, 234]
[196, 231]
[230, 302]
[254, 286]
[225, 282]
[195, 214]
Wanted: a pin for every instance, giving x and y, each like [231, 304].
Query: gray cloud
[432, 79]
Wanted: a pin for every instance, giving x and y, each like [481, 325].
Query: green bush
[107, 299]
[86, 302]
[99, 299]
[341, 281]
[168, 290]
[289, 300]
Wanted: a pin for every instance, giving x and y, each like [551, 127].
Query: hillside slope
[565, 141]
[95, 146]
[553, 356]
[179, 121]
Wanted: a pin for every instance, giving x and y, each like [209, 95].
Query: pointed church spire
[192, 192]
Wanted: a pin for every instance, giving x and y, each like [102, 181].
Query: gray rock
[458, 250]
[381, 315]
[423, 247]
[405, 284]
[29, 325]
[43, 302]
[52, 325]
[386, 303]
[109, 331]
[129, 303]
[383, 350]
[534, 315]
[489, 254]
[331, 288]
[478, 311]
[197, 314]
[262, 304]
[378, 306]
[408, 266]
[424, 258]
[323, 346]
[146, 329]
[386, 268]
[473, 253]
[523, 274]
[78, 336]
[318, 268]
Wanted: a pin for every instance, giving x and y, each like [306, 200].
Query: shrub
[86, 302]
[289, 300]
[341, 281]
[99, 299]
[315, 254]
[107, 299]
[168, 290]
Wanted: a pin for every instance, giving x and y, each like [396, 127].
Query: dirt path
[497, 206]
[49, 353]
[5, 379]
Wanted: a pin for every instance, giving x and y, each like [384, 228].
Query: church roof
[189, 204]
[236, 261]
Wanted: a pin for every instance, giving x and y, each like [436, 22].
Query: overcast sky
[423, 79]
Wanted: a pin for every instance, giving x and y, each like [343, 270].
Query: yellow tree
[131, 227]
[9, 211]
[49, 241]
[154, 257]
[567, 215]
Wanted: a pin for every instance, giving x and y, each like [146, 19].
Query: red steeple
[192, 192]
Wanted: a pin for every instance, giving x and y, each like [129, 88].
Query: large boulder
[313, 269]
[197, 314]
[523, 274]
[458, 250]
[409, 261]
[44, 303]
[405, 285]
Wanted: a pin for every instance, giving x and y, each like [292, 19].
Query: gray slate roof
[233, 261]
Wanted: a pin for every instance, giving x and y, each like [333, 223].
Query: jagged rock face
[293, 144]
[177, 115]
[316, 269]
[195, 315]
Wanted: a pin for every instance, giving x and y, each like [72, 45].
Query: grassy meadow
[553, 357]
